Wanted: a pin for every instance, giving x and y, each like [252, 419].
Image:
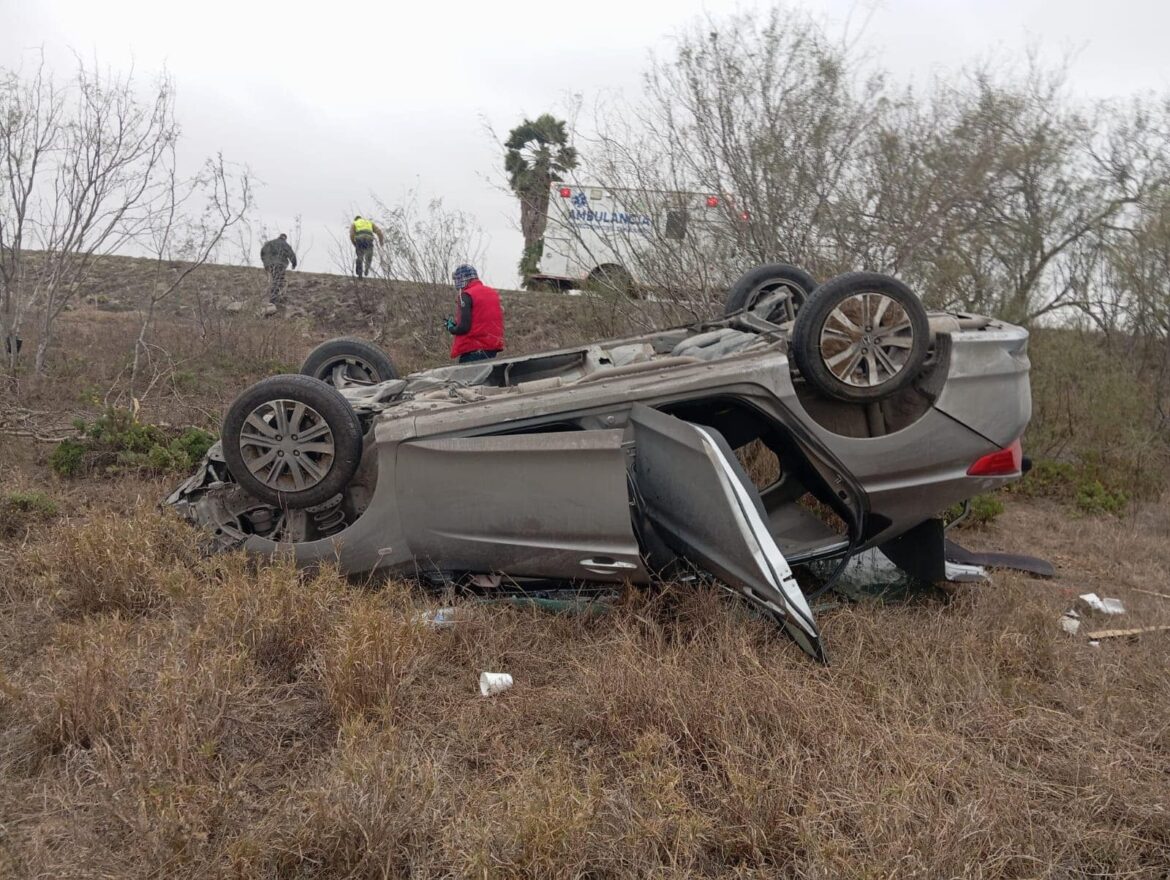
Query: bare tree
[31, 117]
[425, 243]
[85, 174]
[763, 111]
[991, 190]
[1054, 177]
[196, 215]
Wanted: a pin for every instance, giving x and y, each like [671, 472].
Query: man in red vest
[479, 328]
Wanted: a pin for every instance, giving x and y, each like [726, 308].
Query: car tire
[761, 281]
[861, 337]
[349, 361]
[300, 421]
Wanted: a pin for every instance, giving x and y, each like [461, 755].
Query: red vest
[487, 322]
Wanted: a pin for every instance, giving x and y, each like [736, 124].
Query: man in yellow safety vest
[361, 235]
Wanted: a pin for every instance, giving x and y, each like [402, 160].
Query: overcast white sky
[328, 102]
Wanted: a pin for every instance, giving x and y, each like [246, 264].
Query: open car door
[699, 499]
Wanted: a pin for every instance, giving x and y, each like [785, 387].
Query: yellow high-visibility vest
[362, 225]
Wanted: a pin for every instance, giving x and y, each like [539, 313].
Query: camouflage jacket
[277, 252]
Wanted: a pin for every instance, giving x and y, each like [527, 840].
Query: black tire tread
[330, 350]
[753, 278]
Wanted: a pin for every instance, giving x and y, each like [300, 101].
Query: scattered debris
[871, 574]
[491, 683]
[1094, 604]
[959, 573]
[1014, 561]
[1122, 633]
[1070, 622]
[440, 618]
[487, 581]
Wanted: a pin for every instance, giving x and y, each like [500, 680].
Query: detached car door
[696, 494]
[553, 505]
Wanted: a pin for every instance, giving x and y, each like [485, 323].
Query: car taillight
[565, 192]
[1003, 463]
[712, 202]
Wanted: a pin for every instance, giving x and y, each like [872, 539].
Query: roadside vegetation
[117, 441]
[164, 713]
[196, 716]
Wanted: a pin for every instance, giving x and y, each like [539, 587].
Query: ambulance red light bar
[565, 192]
[1004, 463]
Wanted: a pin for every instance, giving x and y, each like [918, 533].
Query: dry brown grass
[166, 715]
[185, 717]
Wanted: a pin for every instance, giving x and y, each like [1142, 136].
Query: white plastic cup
[491, 683]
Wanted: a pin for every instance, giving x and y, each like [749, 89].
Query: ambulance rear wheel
[610, 278]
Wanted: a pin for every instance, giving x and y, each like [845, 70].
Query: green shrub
[984, 509]
[1094, 498]
[1048, 479]
[21, 510]
[1098, 410]
[194, 443]
[67, 459]
[186, 381]
[117, 441]
[1088, 484]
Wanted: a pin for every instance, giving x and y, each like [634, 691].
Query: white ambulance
[600, 237]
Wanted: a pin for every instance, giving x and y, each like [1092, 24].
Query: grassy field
[168, 715]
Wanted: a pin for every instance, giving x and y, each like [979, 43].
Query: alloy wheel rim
[287, 445]
[866, 339]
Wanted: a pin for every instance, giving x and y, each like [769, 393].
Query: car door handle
[607, 563]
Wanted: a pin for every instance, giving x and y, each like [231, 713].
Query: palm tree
[538, 153]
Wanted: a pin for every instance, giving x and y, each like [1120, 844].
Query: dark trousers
[363, 256]
[481, 355]
[276, 283]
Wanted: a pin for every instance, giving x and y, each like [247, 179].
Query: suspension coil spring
[328, 518]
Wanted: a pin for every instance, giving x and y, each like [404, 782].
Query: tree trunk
[533, 223]
[42, 351]
[140, 344]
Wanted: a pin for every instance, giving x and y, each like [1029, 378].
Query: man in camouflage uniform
[275, 256]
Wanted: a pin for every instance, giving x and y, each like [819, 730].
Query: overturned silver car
[617, 460]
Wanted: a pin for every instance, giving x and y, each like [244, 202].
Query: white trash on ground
[958, 573]
[1094, 604]
[440, 618]
[491, 683]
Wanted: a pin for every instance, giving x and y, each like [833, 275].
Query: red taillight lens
[1005, 463]
[565, 192]
[712, 202]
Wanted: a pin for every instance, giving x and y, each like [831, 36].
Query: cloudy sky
[328, 102]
